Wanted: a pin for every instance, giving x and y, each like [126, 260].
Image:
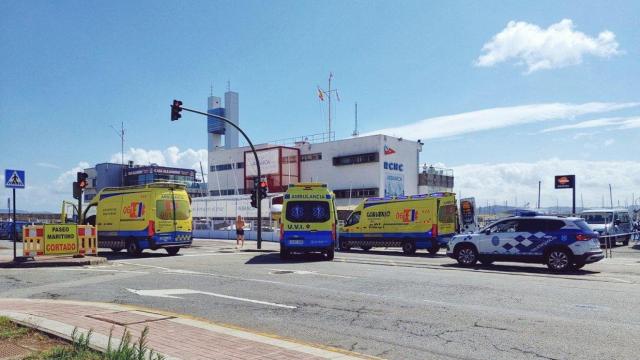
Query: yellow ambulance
[308, 220]
[135, 218]
[410, 222]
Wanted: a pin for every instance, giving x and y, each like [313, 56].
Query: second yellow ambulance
[410, 222]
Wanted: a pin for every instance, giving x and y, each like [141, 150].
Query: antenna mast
[355, 131]
[329, 93]
[121, 135]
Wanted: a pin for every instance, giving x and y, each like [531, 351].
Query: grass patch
[10, 330]
[80, 349]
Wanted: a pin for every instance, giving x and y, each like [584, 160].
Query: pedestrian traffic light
[254, 199]
[264, 189]
[82, 179]
[176, 108]
[77, 192]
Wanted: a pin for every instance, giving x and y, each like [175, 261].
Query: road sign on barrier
[60, 239]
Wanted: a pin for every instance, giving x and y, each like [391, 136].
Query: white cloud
[557, 46]
[62, 185]
[171, 156]
[614, 122]
[608, 142]
[494, 118]
[506, 181]
[48, 165]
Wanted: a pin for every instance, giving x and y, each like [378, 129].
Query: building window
[356, 159]
[223, 192]
[224, 167]
[356, 193]
[311, 157]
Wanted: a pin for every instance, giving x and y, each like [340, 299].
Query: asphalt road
[379, 303]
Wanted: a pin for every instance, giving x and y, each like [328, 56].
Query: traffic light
[254, 200]
[82, 179]
[264, 189]
[176, 108]
[77, 192]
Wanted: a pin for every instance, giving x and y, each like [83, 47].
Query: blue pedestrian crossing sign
[14, 179]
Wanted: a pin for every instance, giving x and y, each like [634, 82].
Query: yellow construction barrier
[87, 240]
[59, 239]
[33, 240]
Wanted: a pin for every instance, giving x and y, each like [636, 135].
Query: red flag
[320, 94]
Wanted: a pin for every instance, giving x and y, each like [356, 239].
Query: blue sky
[71, 69]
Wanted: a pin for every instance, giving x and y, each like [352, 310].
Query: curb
[93, 260]
[99, 341]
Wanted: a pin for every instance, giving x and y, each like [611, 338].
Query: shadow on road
[521, 269]
[393, 252]
[274, 258]
[123, 255]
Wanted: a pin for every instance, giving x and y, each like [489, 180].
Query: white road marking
[171, 293]
[90, 269]
[306, 272]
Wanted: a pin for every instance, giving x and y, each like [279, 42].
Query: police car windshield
[308, 211]
[597, 218]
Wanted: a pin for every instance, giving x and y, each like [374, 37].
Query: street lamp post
[177, 107]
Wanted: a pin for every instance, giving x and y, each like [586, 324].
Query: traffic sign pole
[13, 232]
[14, 179]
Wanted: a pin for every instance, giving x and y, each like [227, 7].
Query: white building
[355, 168]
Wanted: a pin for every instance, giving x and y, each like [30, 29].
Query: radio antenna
[355, 131]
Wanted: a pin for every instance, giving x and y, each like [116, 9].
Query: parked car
[612, 224]
[5, 229]
[560, 242]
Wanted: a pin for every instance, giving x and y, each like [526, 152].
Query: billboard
[468, 215]
[269, 162]
[565, 181]
[394, 185]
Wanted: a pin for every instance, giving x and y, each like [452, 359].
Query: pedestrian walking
[239, 232]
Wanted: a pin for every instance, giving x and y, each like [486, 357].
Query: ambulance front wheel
[133, 248]
[330, 253]
[409, 248]
[284, 253]
[172, 251]
[435, 247]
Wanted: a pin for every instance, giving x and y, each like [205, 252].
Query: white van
[614, 224]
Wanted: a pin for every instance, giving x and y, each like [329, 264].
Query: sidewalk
[51, 261]
[172, 335]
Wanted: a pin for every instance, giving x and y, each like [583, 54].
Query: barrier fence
[59, 239]
[215, 218]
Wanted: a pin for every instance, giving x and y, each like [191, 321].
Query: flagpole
[330, 76]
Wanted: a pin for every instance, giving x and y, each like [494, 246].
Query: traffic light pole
[255, 155]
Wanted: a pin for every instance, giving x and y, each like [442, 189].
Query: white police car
[560, 242]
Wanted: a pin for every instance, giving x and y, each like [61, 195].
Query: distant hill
[18, 211]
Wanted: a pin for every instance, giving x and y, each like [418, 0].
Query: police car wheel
[172, 251]
[116, 249]
[408, 248]
[467, 255]
[558, 260]
[625, 242]
[365, 248]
